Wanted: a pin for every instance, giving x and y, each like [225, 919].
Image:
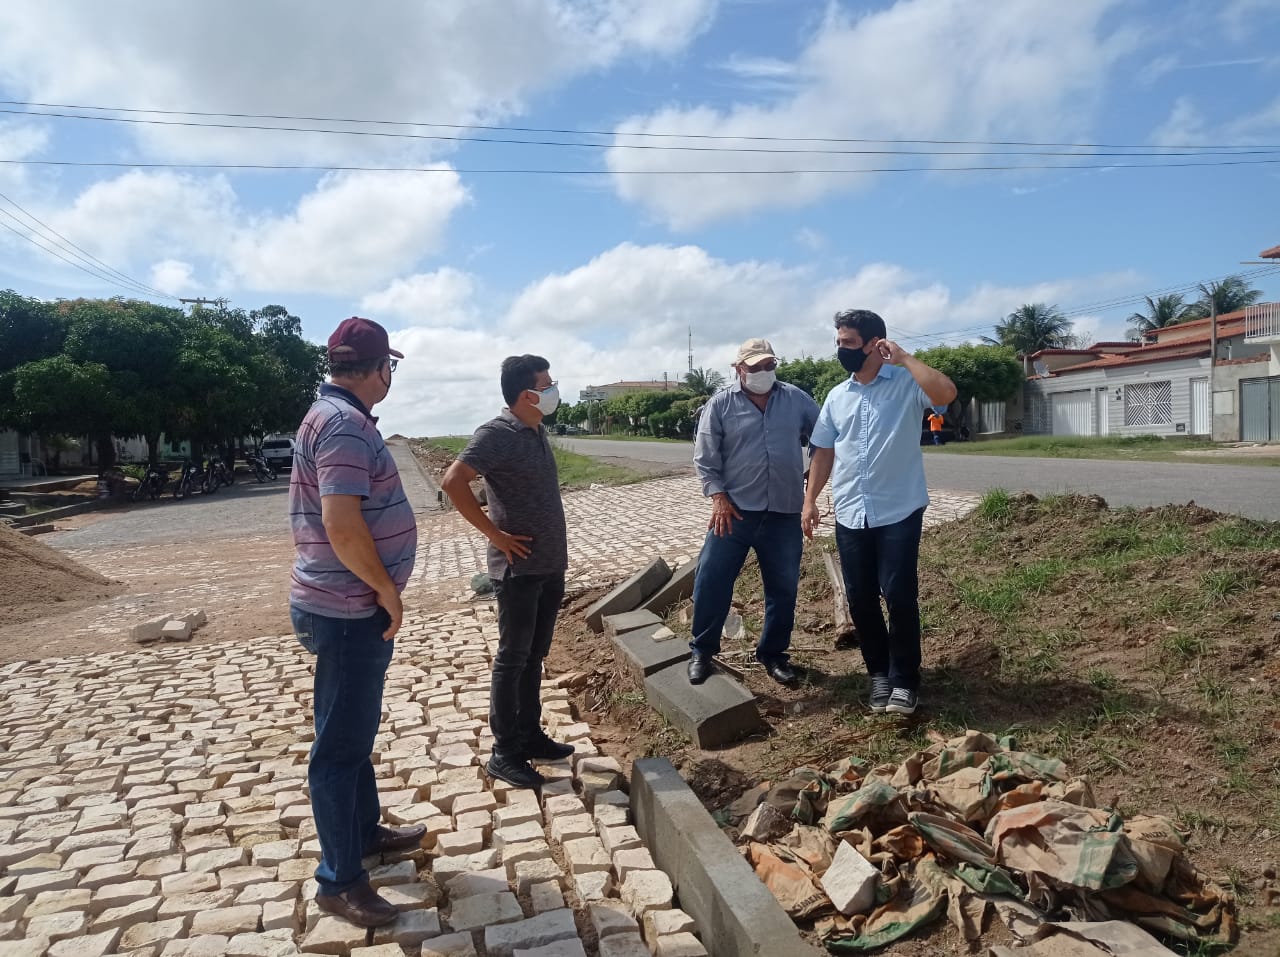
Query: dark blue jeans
[351, 663]
[884, 561]
[527, 609]
[778, 542]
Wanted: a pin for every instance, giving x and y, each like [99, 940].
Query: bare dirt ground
[1142, 647]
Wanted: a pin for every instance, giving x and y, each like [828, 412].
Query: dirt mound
[36, 580]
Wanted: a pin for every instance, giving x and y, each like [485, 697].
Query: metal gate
[1073, 413]
[1200, 420]
[1104, 418]
[1260, 410]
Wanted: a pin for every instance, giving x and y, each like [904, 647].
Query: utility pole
[691, 348]
[1213, 354]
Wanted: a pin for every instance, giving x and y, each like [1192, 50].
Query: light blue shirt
[878, 476]
[755, 457]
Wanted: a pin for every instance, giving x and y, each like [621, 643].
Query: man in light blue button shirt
[869, 433]
[749, 454]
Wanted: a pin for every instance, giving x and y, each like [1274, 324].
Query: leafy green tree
[29, 330]
[815, 376]
[59, 394]
[1229, 295]
[1033, 327]
[1161, 313]
[985, 373]
[703, 381]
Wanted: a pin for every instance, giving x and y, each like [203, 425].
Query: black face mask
[851, 359]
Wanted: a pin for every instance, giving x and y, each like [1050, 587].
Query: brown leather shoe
[387, 839]
[359, 904]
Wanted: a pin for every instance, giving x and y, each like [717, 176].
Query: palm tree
[704, 381]
[1230, 295]
[1166, 311]
[1032, 327]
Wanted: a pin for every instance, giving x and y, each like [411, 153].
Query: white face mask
[759, 382]
[548, 400]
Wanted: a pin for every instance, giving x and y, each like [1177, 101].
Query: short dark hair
[520, 373]
[864, 322]
[354, 368]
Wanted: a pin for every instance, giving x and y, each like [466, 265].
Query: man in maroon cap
[355, 536]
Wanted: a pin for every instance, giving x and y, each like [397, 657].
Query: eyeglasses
[392, 363]
[764, 365]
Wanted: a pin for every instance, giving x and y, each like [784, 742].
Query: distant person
[749, 455]
[528, 556]
[356, 537]
[935, 426]
[867, 441]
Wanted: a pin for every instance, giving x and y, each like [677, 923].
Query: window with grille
[1148, 403]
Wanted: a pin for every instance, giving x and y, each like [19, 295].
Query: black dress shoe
[359, 904]
[781, 672]
[539, 747]
[700, 668]
[516, 773]
[386, 839]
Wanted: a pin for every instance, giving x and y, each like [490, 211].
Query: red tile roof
[1272, 253]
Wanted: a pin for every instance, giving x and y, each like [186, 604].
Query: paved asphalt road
[1248, 490]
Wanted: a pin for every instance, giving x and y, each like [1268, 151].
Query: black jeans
[527, 609]
[884, 561]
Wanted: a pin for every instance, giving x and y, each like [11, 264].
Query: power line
[616, 133]
[58, 255]
[535, 171]
[494, 140]
[93, 262]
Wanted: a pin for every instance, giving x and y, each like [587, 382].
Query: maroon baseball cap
[357, 338]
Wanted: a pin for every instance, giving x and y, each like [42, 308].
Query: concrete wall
[1226, 397]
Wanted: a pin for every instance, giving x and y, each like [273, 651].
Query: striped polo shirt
[339, 451]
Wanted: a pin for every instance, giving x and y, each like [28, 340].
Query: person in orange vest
[935, 426]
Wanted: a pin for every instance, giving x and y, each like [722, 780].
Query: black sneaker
[516, 773]
[880, 691]
[902, 701]
[539, 747]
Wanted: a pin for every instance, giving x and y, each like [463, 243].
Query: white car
[278, 452]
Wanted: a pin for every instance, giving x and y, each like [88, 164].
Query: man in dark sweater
[528, 555]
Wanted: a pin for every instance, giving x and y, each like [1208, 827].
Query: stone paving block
[644, 891]
[502, 939]
[492, 881]
[632, 859]
[480, 910]
[609, 917]
[90, 945]
[227, 921]
[272, 943]
[411, 896]
[545, 896]
[610, 815]
[719, 711]
[30, 946]
[157, 932]
[401, 872]
[280, 915]
[12, 908]
[267, 891]
[678, 588]
[850, 881]
[560, 948]
[184, 882]
[460, 842]
[679, 945]
[641, 655]
[445, 868]
[508, 816]
[620, 838]
[629, 594]
[141, 911]
[527, 873]
[208, 945]
[586, 854]
[571, 827]
[410, 929]
[593, 885]
[513, 854]
[235, 878]
[663, 923]
[379, 950]
[188, 904]
[449, 945]
[620, 624]
[333, 935]
[518, 833]
[623, 945]
[59, 926]
[53, 902]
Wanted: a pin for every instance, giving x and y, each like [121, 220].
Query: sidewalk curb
[736, 915]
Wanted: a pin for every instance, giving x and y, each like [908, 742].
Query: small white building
[1168, 385]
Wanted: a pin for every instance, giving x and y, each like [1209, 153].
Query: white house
[1166, 385]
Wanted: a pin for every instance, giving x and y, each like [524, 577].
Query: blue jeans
[527, 609]
[778, 542]
[351, 663]
[884, 561]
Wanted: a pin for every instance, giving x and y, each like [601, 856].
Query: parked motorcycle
[222, 474]
[193, 479]
[262, 471]
[152, 484]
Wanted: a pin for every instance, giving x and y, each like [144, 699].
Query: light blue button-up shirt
[755, 457]
[878, 476]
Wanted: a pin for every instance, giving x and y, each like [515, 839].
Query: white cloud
[19, 141]
[174, 277]
[921, 69]
[424, 62]
[440, 298]
[353, 230]
[1184, 126]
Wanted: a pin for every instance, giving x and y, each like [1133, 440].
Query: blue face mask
[548, 399]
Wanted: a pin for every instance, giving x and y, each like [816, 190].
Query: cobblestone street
[152, 802]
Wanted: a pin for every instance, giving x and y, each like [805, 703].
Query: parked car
[569, 430]
[278, 452]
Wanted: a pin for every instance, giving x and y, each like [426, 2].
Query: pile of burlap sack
[972, 825]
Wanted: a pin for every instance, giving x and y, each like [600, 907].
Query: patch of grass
[1100, 679]
[997, 599]
[1219, 584]
[619, 437]
[450, 443]
[576, 470]
[1171, 603]
[1036, 577]
[1114, 538]
[1184, 647]
[996, 506]
[1245, 534]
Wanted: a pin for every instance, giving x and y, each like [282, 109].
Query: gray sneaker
[880, 690]
[902, 701]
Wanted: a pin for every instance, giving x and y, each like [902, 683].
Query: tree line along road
[1249, 490]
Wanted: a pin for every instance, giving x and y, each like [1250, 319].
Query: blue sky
[605, 267]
